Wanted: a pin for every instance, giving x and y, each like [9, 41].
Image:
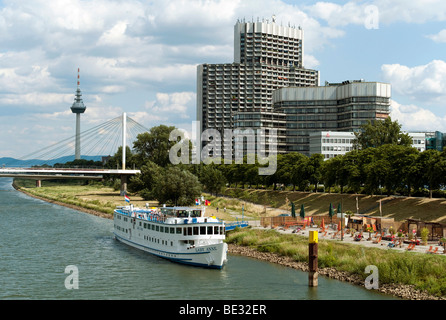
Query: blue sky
[141, 56]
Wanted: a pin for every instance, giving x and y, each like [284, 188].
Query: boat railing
[161, 218]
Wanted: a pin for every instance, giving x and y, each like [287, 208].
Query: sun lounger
[430, 250]
[377, 240]
[433, 251]
[411, 246]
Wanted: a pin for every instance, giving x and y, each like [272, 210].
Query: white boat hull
[210, 256]
[194, 241]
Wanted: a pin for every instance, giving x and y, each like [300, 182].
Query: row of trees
[383, 161]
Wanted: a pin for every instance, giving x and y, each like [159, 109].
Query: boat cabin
[182, 212]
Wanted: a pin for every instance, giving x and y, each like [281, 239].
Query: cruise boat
[180, 234]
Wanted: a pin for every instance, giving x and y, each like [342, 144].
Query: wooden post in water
[312, 259]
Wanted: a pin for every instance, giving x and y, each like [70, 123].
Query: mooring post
[312, 259]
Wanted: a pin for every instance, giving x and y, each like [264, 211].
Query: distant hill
[11, 162]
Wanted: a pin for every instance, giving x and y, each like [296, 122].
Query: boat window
[181, 213]
[189, 231]
[166, 229]
[145, 225]
[179, 231]
[216, 230]
[195, 231]
[202, 230]
[210, 230]
[157, 228]
[172, 230]
[161, 229]
[153, 227]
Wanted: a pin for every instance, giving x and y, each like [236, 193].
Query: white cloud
[411, 11]
[439, 37]
[310, 61]
[424, 83]
[178, 104]
[338, 15]
[415, 118]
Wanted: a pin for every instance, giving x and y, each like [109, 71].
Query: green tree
[330, 172]
[144, 182]
[176, 186]
[412, 172]
[314, 166]
[286, 168]
[300, 172]
[212, 179]
[381, 132]
[433, 165]
[154, 146]
[116, 160]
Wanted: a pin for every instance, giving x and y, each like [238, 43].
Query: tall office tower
[334, 107]
[267, 56]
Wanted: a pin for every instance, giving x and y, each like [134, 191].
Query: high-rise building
[342, 106]
[267, 56]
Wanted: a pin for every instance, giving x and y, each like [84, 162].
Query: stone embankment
[401, 291]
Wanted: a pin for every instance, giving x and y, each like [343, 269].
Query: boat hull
[209, 256]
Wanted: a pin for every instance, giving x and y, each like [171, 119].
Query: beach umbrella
[339, 226]
[331, 211]
[302, 211]
[339, 208]
[293, 210]
[323, 224]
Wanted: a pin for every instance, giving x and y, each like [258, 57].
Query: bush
[424, 235]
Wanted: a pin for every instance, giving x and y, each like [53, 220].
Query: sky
[141, 57]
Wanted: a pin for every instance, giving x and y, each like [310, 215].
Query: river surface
[52, 252]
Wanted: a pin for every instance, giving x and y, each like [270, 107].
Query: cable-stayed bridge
[100, 141]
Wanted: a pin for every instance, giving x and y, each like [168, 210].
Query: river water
[46, 250]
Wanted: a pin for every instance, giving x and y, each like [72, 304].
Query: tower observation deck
[78, 107]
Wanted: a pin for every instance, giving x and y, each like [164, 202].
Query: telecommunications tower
[78, 107]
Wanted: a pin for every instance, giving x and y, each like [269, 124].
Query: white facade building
[331, 143]
[334, 143]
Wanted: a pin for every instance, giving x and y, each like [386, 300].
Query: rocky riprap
[397, 290]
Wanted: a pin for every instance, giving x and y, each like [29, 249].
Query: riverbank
[71, 206]
[407, 292]
[295, 259]
[408, 275]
